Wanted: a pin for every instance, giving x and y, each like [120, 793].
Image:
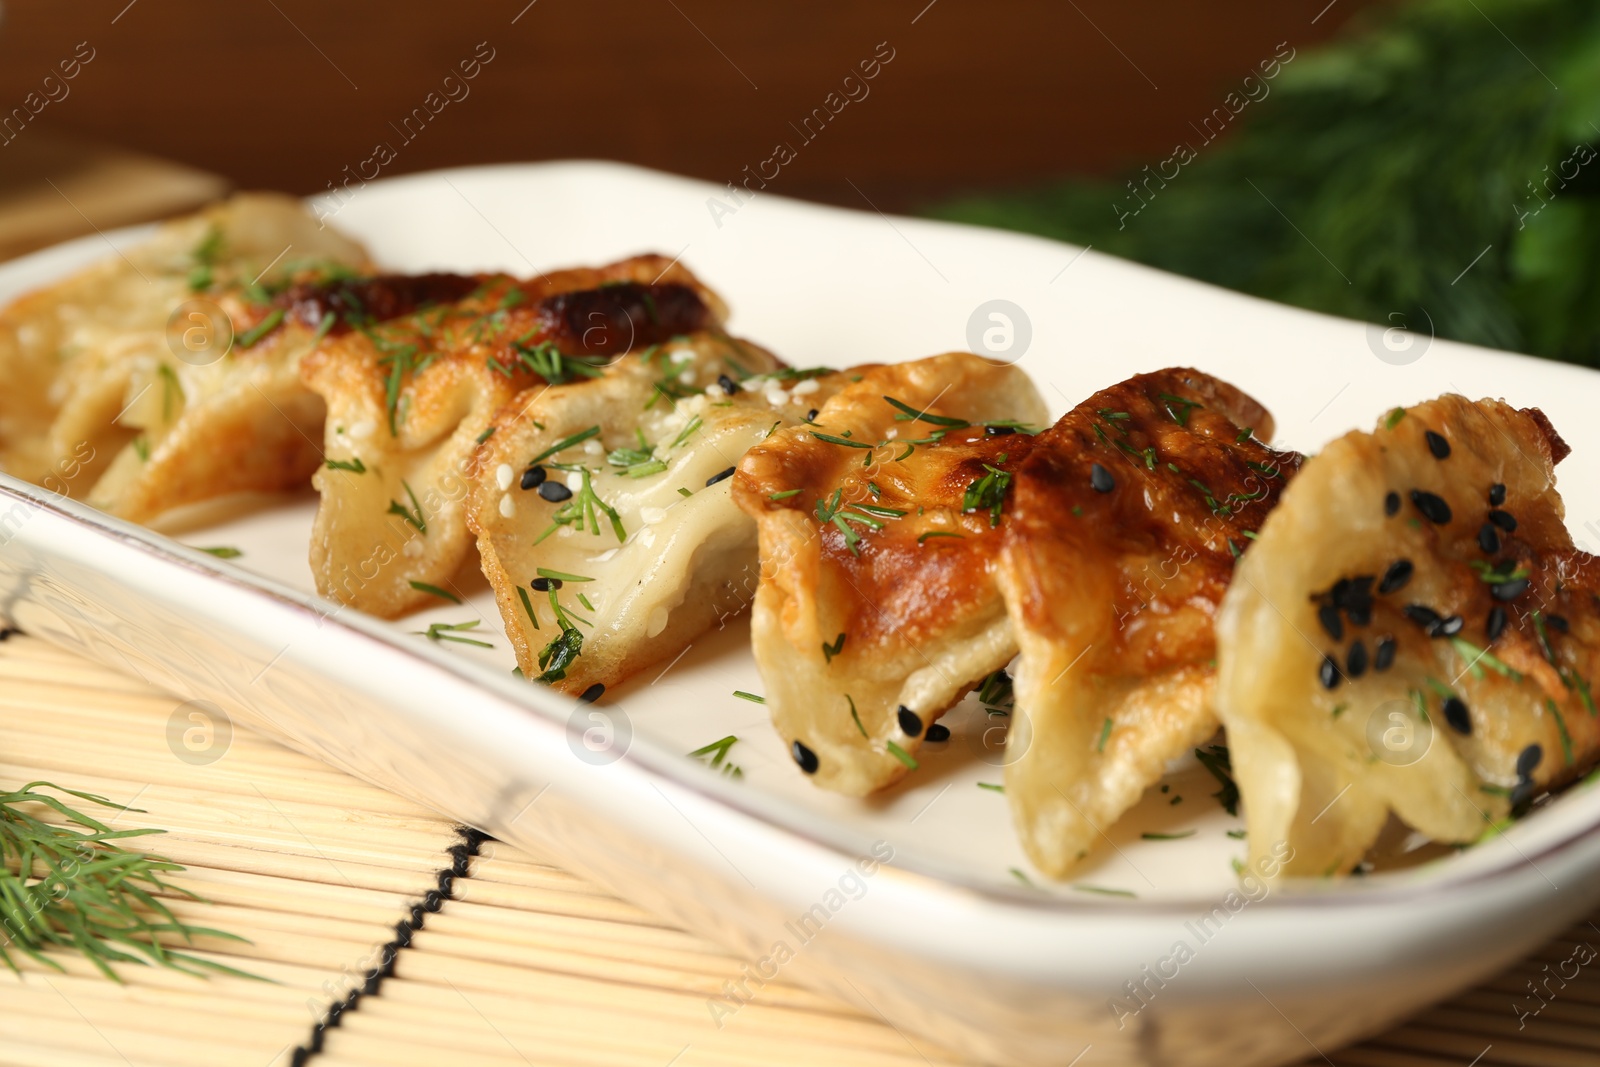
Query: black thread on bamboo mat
[372, 982]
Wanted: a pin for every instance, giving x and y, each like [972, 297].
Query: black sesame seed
[938, 732]
[1396, 577]
[1101, 479]
[719, 476]
[1528, 759]
[1328, 616]
[1488, 538]
[1447, 627]
[533, 476]
[1385, 655]
[1509, 590]
[1391, 504]
[554, 492]
[812, 414]
[1521, 798]
[806, 758]
[1504, 519]
[1360, 613]
[544, 585]
[1356, 663]
[1328, 673]
[1422, 615]
[1455, 713]
[1496, 624]
[1432, 506]
[999, 431]
[729, 386]
[1437, 445]
[1497, 495]
[1557, 623]
[910, 725]
[593, 693]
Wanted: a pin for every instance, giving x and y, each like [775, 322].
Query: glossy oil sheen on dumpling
[1413, 632]
[602, 508]
[99, 404]
[1120, 537]
[409, 400]
[877, 608]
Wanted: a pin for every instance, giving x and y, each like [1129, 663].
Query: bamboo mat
[394, 937]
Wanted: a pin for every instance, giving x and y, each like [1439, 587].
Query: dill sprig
[72, 886]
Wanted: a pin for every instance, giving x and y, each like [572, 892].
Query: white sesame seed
[574, 480]
[714, 391]
[413, 548]
[503, 475]
[592, 447]
[805, 387]
[363, 428]
[508, 507]
[687, 377]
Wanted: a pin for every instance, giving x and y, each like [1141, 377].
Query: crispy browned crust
[410, 398]
[1064, 537]
[915, 598]
[1125, 522]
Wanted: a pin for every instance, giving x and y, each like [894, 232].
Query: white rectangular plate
[944, 940]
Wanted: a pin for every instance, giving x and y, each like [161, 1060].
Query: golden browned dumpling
[1120, 536]
[410, 400]
[602, 508]
[1414, 633]
[117, 389]
[877, 607]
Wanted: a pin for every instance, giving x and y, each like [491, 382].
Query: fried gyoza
[1413, 632]
[410, 400]
[1120, 537]
[602, 508]
[101, 403]
[877, 608]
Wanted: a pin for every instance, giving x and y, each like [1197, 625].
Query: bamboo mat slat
[520, 963]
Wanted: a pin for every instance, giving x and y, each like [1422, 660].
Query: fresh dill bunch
[71, 886]
[1423, 169]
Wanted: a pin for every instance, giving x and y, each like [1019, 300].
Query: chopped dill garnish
[261, 329]
[833, 440]
[1475, 655]
[988, 492]
[753, 698]
[1102, 890]
[527, 606]
[1105, 734]
[433, 590]
[1180, 413]
[354, 466]
[911, 414]
[1561, 728]
[992, 787]
[687, 432]
[902, 755]
[223, 552]
[565, 443]
[415, 516]
[1179, 836]
[583, 511]
[1393, 418]
[785, 495]
[718, 752]
[1244, 435]
[562, 649]
[937, 533]
[485, 435]
[171, 390]
[830, 651]
[855, 716]
[445, 631]
[561, 576]
[585, 602]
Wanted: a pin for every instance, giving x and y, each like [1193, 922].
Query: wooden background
[1002, 93]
